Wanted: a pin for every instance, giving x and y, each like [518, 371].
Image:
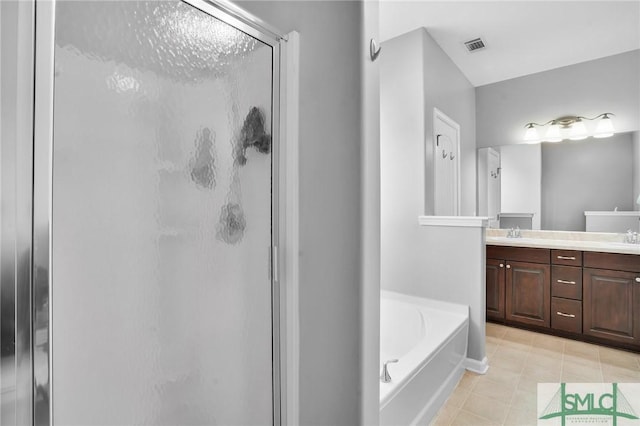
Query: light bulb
[553, 133]
[604, 129]
[578, 131]
[531, 134]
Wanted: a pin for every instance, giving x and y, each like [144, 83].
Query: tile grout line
[600, 366]
[514, 392]
[510, 404]
[564, 348]
[498, 347]
[459, 408]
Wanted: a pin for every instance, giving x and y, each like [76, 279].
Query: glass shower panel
[161, 293]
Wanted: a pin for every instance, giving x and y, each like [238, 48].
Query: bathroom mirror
[565, 179]
[559, 181]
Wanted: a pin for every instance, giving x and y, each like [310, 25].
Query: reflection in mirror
[559, 182]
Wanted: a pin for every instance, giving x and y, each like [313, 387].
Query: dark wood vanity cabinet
[495, 288]
[588, 295]
[612, 297]
[518, 285]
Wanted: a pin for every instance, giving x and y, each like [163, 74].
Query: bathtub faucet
[384, 376]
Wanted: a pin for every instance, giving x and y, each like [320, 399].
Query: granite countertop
[563, 240]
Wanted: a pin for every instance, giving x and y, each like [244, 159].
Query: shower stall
[139, 179]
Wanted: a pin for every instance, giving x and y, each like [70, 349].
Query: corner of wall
[370, 213]
[635, 136]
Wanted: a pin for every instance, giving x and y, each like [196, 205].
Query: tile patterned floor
[518, 361]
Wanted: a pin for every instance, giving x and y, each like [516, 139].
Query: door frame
[285, 201]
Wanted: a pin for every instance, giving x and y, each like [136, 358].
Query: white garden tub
[429, 339]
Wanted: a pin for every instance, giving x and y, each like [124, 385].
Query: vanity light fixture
[570, 127]
[604, 129]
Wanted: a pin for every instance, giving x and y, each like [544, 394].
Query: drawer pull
[566, 282]
[562, 314]
[567, 257]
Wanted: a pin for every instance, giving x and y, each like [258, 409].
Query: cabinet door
[528, 293]
[495, 288]
[611, 305]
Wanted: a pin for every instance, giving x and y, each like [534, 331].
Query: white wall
[521, 180]
[452, 269]
[330, 203]
[571, 184]
[402, 135]
[609, 84]
[416, 76]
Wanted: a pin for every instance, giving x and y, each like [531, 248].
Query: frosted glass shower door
[161, 295]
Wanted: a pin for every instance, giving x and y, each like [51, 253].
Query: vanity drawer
[566, 314]
[566, 257]
[566, 281]
[519, 254]
[614, 261]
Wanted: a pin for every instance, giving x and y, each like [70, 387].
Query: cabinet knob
[638, 279]
[508, 266]
[502, 265]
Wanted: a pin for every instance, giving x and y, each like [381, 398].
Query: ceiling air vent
[474, 44]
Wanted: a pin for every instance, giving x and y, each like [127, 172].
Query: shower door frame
[284, 198]
[16, 183]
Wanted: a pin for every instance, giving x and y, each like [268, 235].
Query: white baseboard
[479, 367]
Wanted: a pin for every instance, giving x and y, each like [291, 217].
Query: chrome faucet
[514, 233]
[384, 376]
[632, 237]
